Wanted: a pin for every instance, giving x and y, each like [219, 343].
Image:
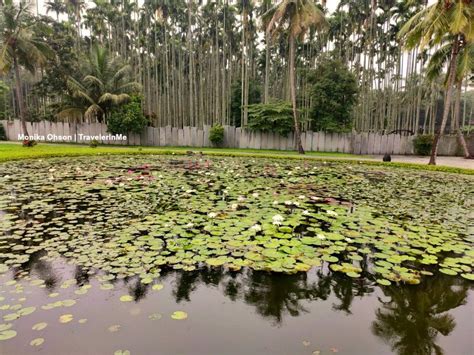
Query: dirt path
[457, 162]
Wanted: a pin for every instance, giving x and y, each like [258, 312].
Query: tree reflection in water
[409, 318]
[412, 318]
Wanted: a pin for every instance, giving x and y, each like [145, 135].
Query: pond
[198, 255]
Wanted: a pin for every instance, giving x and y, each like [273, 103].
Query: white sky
[331, 4]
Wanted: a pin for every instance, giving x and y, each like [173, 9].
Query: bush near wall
[216, 135]
[3, 134]
[422, 144]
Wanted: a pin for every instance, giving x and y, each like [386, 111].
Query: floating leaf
[126, 298]
[7, 334]
[37, 342]
[179, 315]
[65, 318]
[40, 326]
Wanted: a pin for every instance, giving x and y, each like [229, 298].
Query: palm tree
[430, 26]
[413, 318]
[21, 46]
[465, 66]
[104, 83]
[295, 17]
[56, 6]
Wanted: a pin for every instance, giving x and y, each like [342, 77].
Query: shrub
[3, 134]
[216, 135]
[272, 117]
[29, 143]
[94, 143]
[128, 118]
[423, 144]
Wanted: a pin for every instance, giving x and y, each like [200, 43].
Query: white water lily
[255, 194]
[256, 227]
[241, 198]
[234, 206]
[332, 213]
[189, 225]
[348, 240]
[301, 197]
[52, 170]
[275, 203]
[212, 215]
[306, 212]
[320, 236]
[277, 219]
[288, 203]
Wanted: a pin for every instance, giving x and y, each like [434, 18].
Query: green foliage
[333, 93]
[423, 144]
[3, 134]
[216, 135]
[236, 99]
[128, 118]
[272, 117]
[103, 83]
[94, 143]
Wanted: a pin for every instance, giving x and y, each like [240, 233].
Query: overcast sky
[331, 4]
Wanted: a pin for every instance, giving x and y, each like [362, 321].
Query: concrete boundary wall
[235, 137]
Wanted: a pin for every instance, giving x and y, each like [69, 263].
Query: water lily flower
[348, 240]
[212, 215]
[234, 206]
[301, 197]
[241, 198]
[189, 225]
[52, 170]
[277, 219]
[320, 236]
[305, 212]
[256, 227]
[255, 194]
[332, 213]
[275, 203]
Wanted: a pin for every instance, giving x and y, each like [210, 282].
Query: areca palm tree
[429, 27]
[104, 83]
[21, 46]
[56, 6]
[295, 17]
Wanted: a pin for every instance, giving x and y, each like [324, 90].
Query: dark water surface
[97, 254]
[245, 312]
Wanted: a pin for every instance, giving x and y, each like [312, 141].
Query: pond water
[191, 255]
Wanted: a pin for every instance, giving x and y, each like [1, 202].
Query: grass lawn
[14, 151]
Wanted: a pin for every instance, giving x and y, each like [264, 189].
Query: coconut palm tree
[104, 83]
[21, 46]
[465, 66]
[429, 27]
[295, 17]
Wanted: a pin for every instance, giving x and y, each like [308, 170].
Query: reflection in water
[409, 318]
[44, 270]
[414, 316]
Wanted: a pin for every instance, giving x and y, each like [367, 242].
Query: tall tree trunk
[457, 118]
[267, 69]
[19, 96]
[447, 101]
[292, 75]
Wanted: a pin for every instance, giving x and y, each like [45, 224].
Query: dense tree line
[204, 62]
